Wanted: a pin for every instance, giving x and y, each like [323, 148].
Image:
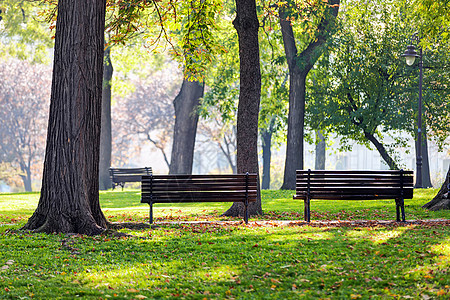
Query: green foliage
[187, 27]
[23, 31]
[223, 78]
[226, 260]
[363, 85]
[432, 20]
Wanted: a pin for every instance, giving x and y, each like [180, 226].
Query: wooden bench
[121, 175]
[199, 188]
[354, 185]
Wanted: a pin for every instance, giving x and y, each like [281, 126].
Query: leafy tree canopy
[363, 85]
[23, 30]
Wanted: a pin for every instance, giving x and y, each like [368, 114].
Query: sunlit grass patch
[230, 261]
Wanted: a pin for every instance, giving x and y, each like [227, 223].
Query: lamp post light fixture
[410, 56]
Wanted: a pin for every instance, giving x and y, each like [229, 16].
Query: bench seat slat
[198, 197]
[351, 178]
[206, 177]
[314, 185]
[195, 187]
[354, 172]
[349, 197]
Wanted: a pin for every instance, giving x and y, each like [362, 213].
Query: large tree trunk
[299, 67]
[426, 178]
[247, 26]
[105, 137]
[320, 151]
[185, 129]
[266, 137]
[442, 199]
[69, 199]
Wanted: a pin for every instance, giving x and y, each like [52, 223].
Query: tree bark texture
[105, 136]
[247, 26]
[299, 66]
[442, 199]
[320, 151]
[266, 137]
[185, 129]
[69, 199]
[426, 178]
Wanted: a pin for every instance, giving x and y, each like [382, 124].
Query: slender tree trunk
[247, 26]
[426, 178]
[382, 150]
[26, 179]
[442, 199]
[320, 151]
[106, 137]
[69, 199]
[299, 66]
[266, 137]
[185, 129]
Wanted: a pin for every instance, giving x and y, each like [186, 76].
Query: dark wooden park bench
[354, 185]
[121, 175]
[199, 188]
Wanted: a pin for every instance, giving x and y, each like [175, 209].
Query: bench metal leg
[307, 210]
[151, 212]
[397, 209]
[246, 213]
[402, 207]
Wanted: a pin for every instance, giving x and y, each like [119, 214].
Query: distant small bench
[354, 185]
[199, 188]
[121, 175]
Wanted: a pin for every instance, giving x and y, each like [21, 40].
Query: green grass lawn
[230, 260]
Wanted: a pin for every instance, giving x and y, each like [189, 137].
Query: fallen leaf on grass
[132, 290]
[274, 280]
[140, 297]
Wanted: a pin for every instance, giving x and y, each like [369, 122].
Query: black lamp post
[410, 55]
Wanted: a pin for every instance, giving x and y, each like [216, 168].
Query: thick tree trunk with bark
[266, 137]
[247, 25]
[426, 178]
[69, 199]
[442, 199]
[299, 66]
[320, 151]
[106, 137]
[185, 129]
